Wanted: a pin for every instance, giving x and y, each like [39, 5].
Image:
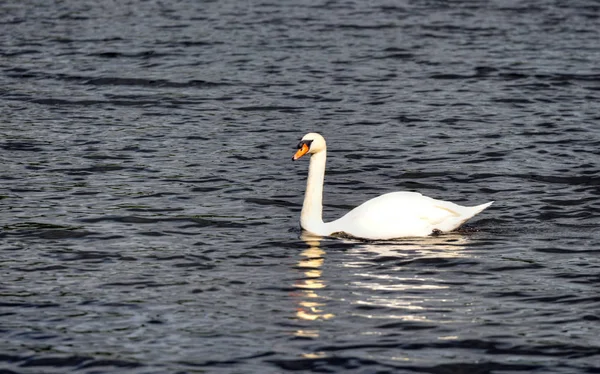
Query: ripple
[150, 211]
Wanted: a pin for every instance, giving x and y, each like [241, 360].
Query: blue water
[149, 210]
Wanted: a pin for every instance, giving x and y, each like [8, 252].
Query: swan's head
[310, 143]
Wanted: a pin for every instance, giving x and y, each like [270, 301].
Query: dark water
[149, 208]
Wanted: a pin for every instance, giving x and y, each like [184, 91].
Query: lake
[149, 207]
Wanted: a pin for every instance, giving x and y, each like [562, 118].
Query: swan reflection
[404, 293]
[448, 245]
[379, 276]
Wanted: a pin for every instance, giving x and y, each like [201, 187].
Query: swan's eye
[306, 143]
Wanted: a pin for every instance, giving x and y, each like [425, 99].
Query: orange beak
[301, 152]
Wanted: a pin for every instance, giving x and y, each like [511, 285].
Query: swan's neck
[311, 218]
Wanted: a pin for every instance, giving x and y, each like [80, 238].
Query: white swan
[389, 216]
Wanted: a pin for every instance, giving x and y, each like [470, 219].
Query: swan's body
[389, 216]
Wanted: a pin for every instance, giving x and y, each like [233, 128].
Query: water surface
[149, 208]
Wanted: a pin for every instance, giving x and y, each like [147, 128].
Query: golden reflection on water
[311, 305]
[315, 355]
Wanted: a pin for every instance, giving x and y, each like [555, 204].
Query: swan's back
[403, 214]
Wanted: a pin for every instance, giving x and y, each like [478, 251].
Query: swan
[389, 216]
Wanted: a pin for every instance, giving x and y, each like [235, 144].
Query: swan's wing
[406, 205]
[400, 214]
[439, 211]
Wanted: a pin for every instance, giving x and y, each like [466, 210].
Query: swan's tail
[472, 211]
[479, 208]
